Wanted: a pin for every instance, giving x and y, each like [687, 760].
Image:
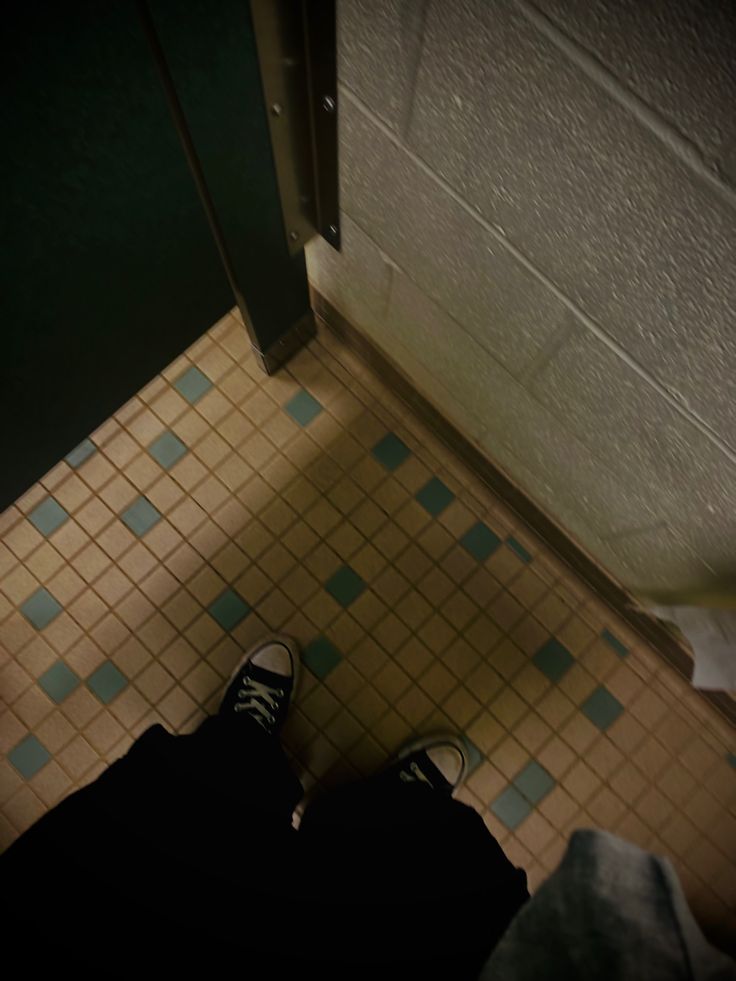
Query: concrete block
[401, 348]
[451, 356]
[378, 48]
[627, 424]
[677, 57]
[356, 279]
[442, 248]
[514, 425]
[648, 560]
[367, 192]
[586, 193]
[655, 559]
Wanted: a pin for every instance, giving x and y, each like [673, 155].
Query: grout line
[552, 345]
[390, 267]
[420, 28]
[668, 134]
[639, 530]
[676, 401]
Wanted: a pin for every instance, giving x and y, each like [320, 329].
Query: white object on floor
[712, 636]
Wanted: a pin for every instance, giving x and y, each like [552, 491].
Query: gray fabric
[611, 912]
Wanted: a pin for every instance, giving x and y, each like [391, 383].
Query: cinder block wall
[539, 218]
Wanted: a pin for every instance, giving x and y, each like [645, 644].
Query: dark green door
[110, 267]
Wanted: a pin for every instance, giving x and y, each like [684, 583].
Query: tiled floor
[219, 505]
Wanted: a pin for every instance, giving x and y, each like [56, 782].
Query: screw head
[328, 104]
[276, 109]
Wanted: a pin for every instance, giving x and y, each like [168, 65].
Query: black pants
[180, 859]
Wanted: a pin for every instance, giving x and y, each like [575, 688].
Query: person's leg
[413, 876]
[176, 839]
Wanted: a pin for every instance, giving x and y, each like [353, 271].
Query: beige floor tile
[391, 731]
[116, 539]
[14, 680]
[22, 539]
[604, 757]
[507, 659]
[627, 734]
[32, 707]
[36, 657]
[16, 633]
[437, 634]
[579, 733]
[535, 833]
[176, 707]
[51, 783]
[414, 706]
[508, 708]
[10, 781]
[438, 640]
[486, 732]
[45, 562]
[581, 782]
[510, 756]
[529, 634]
[532, 732]
[19, 584]
[344, 731]
[24, 808]
[103, 732]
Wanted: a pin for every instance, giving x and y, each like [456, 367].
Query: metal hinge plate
[296, 42]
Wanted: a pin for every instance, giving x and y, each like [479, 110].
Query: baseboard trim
[623, 604]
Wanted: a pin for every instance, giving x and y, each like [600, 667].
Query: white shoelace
[259, 696]
[415, 776]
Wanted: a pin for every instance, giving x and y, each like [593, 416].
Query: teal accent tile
[29, 756]
[321, 657]
[615, 643]
[602, 708]
[41, 608]
[47, 516]
[475, 757]
[731, 759]
[391, 451]
[553, 659]
[167, 449]
[192, 385]
[80, 453]
[59, 681]
[517, 547]
[106, 682]
[345, 586]
[511, 808]
[303, 408]
[534, 782]
[435, 496]
[480, 541]
[229, 609]
[140, 517]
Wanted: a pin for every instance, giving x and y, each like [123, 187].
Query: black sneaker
[440, 761]
[263, 683]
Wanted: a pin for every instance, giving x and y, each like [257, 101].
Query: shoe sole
[436, 739]
[292, 647]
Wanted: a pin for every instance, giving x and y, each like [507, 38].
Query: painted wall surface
[540, 228]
